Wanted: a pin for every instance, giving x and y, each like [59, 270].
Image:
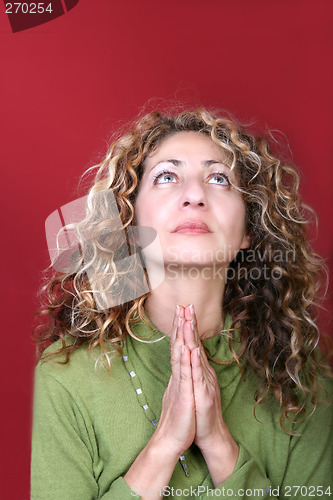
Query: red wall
[66, 84]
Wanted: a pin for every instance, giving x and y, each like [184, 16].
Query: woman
[215, 385]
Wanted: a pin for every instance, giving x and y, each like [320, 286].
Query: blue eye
[219, 178]
[165, 177]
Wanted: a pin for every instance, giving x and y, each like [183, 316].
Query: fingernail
[192, 325]
[198, 349]
[183, 349]
[177, 309]
[191, 308]
[179, 321]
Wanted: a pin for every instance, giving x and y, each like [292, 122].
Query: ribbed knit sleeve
[64, 449]
[308, 471]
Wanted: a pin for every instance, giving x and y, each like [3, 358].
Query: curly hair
[276, 318]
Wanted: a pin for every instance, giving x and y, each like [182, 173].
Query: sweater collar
[217, 346]
[153, 349]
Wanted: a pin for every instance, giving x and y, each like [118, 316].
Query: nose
[193, 194]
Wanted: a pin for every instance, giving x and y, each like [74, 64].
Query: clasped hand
[191, 407]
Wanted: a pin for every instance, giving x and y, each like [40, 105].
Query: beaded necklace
[143, 402]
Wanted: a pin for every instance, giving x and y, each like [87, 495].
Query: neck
[204, 292]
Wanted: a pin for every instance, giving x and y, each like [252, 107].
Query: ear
[245, 242]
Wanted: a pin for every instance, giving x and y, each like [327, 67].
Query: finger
[191, 316]
[175, 352]
[208, 371]
[178, 314]
[185, 379]
[181, 321]
[189, 337]
[180, 331]
[180, 311]
[198, 376]
[204, 360]
[188, 311]
[173, 331]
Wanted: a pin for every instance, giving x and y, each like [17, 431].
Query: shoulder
[314, 394]
[82, 372]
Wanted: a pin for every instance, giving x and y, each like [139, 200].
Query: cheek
[241, 216]
[234, 209]
[146, 211]
[233, 217]
[140, 208]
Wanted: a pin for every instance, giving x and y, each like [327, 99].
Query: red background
[66, 84]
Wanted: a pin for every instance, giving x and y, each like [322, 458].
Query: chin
[195, 255]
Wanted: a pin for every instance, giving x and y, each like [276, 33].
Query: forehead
[187, 144]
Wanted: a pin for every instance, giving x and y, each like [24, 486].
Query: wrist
[220, 440]
[161, 450]
[152, 468]
[221, 458]
[225, 452]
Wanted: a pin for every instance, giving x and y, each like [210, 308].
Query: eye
[219, 178]
[165, 177]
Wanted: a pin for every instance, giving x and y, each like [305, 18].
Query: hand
[209, 420]
[176, 427]
[212, 435]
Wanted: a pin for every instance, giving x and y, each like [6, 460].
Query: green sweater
[89, 426]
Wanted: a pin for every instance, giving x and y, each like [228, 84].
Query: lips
[192, 227]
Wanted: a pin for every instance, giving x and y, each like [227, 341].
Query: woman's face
[186, 197]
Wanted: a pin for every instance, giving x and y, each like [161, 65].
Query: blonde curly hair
[275, 317]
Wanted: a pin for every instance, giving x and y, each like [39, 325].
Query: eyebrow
[179, 163]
